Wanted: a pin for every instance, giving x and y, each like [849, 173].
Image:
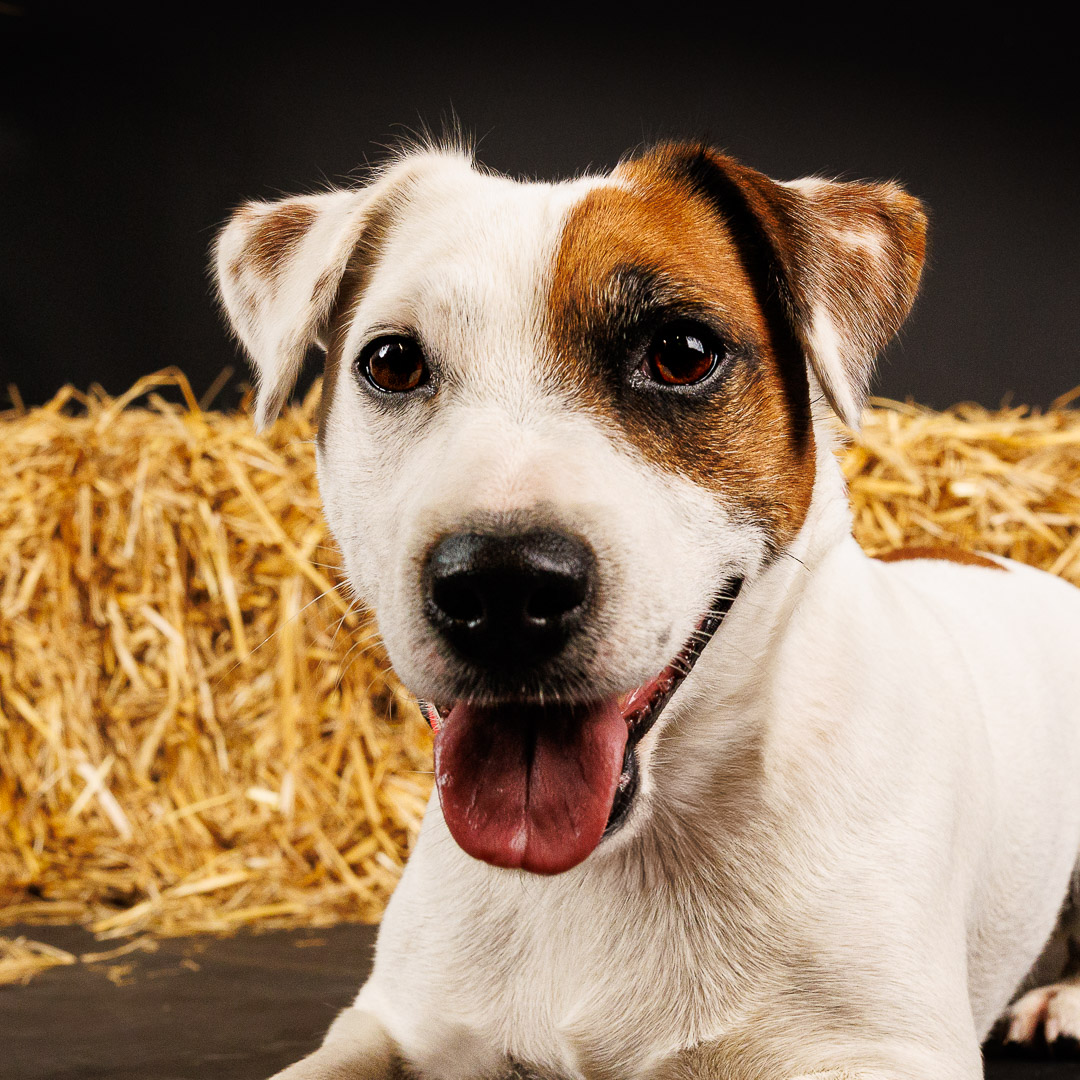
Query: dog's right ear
[279, 269]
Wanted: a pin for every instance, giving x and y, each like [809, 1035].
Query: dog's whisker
[272, 635]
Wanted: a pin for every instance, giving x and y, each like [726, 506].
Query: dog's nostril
[459, 600]
[508, 599]
[553, 601]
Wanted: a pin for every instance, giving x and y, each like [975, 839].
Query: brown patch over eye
[729, 410]
[683, 354]
[394, 365]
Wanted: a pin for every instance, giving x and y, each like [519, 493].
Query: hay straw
[21, 959]
[198, 730]
[1005, 482]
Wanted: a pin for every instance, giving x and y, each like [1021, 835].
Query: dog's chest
[580, 975]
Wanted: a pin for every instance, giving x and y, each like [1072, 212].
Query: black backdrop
[124, 142]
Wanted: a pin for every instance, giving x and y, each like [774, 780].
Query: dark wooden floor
[209, 1009]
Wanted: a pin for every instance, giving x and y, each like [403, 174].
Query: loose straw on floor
[199, 731]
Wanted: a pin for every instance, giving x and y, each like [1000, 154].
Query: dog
[717, 795]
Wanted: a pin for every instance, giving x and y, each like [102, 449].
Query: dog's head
[560, 423]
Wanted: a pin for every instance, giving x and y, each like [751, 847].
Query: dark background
[127, 135]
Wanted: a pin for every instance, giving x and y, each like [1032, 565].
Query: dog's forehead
[469, 250]
[645, 223]
[491, 269]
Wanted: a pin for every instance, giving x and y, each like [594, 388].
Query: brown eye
[394, 365]
[683, 354]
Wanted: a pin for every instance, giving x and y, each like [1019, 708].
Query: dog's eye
[682, 354]
[394, 365]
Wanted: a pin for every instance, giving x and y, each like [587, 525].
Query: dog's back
[1004, 673]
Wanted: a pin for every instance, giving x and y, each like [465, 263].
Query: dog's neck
[725, 692]
[828, 520]
[760, 615]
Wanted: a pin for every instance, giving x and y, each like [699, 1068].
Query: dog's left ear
[845, 259]
[279, 268]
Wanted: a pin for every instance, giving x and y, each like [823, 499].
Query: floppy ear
[845, 259]
[279, 268]
[853, 254]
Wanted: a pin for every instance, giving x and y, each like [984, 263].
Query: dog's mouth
[536, 787]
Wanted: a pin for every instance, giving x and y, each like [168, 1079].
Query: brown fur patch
[632, 258]
[948, 554]
[863, 259]
[275, 235]
[349, 291]
[855, 250]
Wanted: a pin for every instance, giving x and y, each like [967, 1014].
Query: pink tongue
[529, 787]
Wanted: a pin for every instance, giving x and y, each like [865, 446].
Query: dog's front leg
[357, 1047]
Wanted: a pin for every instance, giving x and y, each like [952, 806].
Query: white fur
[866, 240]
[859, 814]
[827, 350]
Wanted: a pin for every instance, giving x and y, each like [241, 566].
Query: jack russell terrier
[717, 795]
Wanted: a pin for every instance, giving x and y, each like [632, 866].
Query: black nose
[508, 600]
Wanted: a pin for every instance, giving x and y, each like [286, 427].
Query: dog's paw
[1054, 1010]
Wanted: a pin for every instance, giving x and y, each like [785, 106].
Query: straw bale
[198, 728]
[22, 958]
[1005, 482]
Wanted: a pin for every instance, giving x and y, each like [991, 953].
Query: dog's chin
[537, 787]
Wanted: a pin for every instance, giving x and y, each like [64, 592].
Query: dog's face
[561, 423]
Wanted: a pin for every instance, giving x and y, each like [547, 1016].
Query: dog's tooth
[430, 714]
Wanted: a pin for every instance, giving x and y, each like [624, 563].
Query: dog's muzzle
[525, 780]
